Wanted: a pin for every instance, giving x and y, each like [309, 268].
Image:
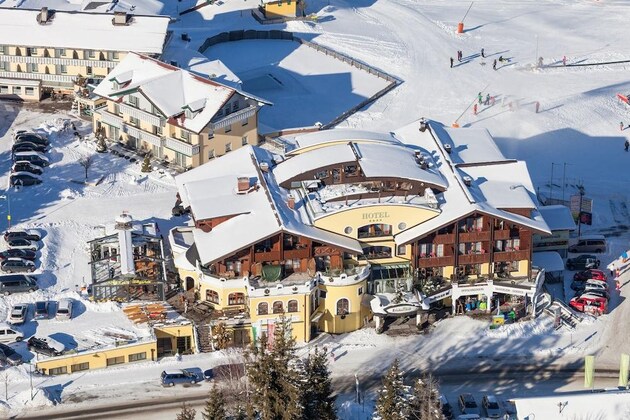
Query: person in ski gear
[451, 62]
[621, 126]
[479, 98]
[475, 109]
[564, 60]
[537, 107]
[487, 101]
[626, 145]
[483, 53]
[494, 65]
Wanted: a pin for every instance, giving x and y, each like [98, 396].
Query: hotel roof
[92, 31]
[305, 141]
[558, 217]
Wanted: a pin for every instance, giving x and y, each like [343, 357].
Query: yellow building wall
[281, 9]
[523, 269]
[333, 323]
[300, 324]
[97, 359]
[175, 331]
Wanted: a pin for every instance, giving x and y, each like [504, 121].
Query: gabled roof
[557, 217]
[91, 31]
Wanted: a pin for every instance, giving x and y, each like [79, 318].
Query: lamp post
[581, 189]
[6, 197]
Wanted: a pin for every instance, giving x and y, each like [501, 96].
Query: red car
[589, 303]
[590, 274]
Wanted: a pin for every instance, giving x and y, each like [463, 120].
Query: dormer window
[115, 85]
[190, 114]
[235, 106]
[219, 113]
[132, 100]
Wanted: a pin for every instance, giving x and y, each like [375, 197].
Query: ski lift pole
[460, 25]
[455, 124]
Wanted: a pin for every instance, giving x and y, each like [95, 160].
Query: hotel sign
[375, 216]
[402, 309]
[511, 290]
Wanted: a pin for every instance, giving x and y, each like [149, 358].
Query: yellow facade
[173, 332]
[299, 314]
[280, 9]
[334, 323]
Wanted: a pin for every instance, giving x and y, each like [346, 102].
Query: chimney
[448, 148]
[242, 185]
[291, 202]
[264, 166]
[43, 15]
[467, 181]
[120, 19]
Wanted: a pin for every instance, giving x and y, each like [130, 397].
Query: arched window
[343, 306]
[292, 306]
[236, 299]
[263, 308]
[75, 55]
[278, 308]
[212, 296]
[18, 51]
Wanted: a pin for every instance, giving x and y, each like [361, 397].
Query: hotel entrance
[390, 278]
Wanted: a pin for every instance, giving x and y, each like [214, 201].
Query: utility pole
[564, 173]
[581, 188]
[551, 183]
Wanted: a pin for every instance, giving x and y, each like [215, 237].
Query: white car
[18, 314]
[595, 285]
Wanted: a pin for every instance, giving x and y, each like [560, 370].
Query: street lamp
[6, 197]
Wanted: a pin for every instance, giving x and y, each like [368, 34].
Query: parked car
[17, 265]
[64, 309]
[42, 309]
[8, 333]
[30, 234]
[590, 243]
[41, 346]
[16, 283]
[231, 370]
[18, 253]
[468, 417]
[21, 243]
[24, 179]
[27, 146]
[31, 137]
[492, 407]
[582, 262]
[17, 133]
[172, 377]
[589, 303]
[24, 166]
[35, 158]
[468, 405]
[8, 356]
[599, 293]
[581, 286]
[18, 314]
[589, 274]
[447, 410]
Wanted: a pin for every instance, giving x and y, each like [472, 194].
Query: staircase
[568, 316]
[205, 338]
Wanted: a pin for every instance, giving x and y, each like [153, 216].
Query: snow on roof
[92, 31]
[377, 160]
[578, 405]
[197, 63]
[169, 88]
[549, 260]
[339, 134]
[558, 217]
[472, 145]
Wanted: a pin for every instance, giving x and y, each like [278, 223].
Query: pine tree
[240, 413]
[425, 400]
[146, 163]
[187, 413]
[215, 405]
[318, 401]
[392, 402]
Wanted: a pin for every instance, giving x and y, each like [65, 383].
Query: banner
[589, 371]
[623, 370]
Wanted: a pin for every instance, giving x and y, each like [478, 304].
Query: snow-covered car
[599, 293]
[8, 356]
[17, 265]
[18, 314]
[21, 243]
[35, 158]
[24, 179]
[24, 166]
[42, 309]
[43, 346]
[582, 286]
[589, 303]
[491, 406]
[583, 262]
[31, 137]
[9, 334]
[589, 274]
[30, 234]
[18, 253]
[22, 132]
[27, 146]
[468, 405]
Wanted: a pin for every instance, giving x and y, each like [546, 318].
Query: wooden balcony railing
[297, 253]
[436, 261]
[267, 256]
[515, 255]
[474, 236]
[506, 234]
[447, 238]
[473, 258]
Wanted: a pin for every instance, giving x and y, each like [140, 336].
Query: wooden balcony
[297, 253]
[473, 258]
[474, 236]
[436, 261]
[506, 234]
[519, 255]
[320, 251]
[267, 256]
[448, 238]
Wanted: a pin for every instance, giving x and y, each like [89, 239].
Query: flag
[623, 369]
[589, 371]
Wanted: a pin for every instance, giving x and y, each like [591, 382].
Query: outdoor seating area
[146, 313]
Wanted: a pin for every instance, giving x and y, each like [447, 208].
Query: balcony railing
[111, 119]
[515, 255]
[267, 256]
[474, 258]
[66, 80]
[243, 114]
[181, 146]
[474, 236]
[142, 115]
[57, 61]
[131, 130]
[151, 138]
[506, 234]
[297, 253]
[436, 261]
[447, 238]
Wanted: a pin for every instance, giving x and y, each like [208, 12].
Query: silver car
[492, 407]
[18, 313]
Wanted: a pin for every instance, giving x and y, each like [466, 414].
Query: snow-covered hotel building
[47, 49]
[350, 224]
[175, 114]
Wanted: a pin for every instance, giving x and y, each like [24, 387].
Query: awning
[551, 261]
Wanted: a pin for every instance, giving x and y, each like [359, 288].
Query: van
[590, 243]
[64, 309]
[17, 283]
[9, 334]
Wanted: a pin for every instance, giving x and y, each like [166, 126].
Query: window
[228, 128]
[59, 52]
[75, 55]
[375, 231]
[228, 147]
[156, 130]
[111, 361]
[30, 91]
[115, 55]
[227, 110]
[17, 90]
[18, 51]
[88, 70]
[212, 296]
[32, 67]
[292, 305]
[376, 252]
[513, 265]
[343, 306]
[63, 69]
[4, 89]
[3, 65]
[401, 249]
[29, 51]
[322, 294]
[263, 308]
[132, 100]
[136, 357]
[3, 49]
[236, 299]
[90, 53]
[79, 367]
[321, 175]
[244, 141]
[58, 370]
[134, 121]
[117, 109]
[245, 122]
[184, 135]
[278, 307]
[211, 154]
[235, 106]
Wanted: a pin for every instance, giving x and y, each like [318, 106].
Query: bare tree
[86, 162]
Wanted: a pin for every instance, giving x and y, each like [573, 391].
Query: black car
[31, 137]
[29, 234]
[21, 243]
[25, 166]
[583, 262]
[9, 356]
[24, 179]
[24, 254]
[27, 146]
[41, 346]
[36, 158]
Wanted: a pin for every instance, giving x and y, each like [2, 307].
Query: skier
[492, 100]
[451, 62]
[479, 98]
[621, 126]
[475, 109]
[487, 101]
[483, 53]
[626, 145]
[459, 55]
[537, 107]
[564, 60]
[494, 65]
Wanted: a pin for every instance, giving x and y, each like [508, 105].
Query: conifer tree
[146, 163]
[215, 405]
[425, 400]
[392, 402]
[187, 413]
[318, 401]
